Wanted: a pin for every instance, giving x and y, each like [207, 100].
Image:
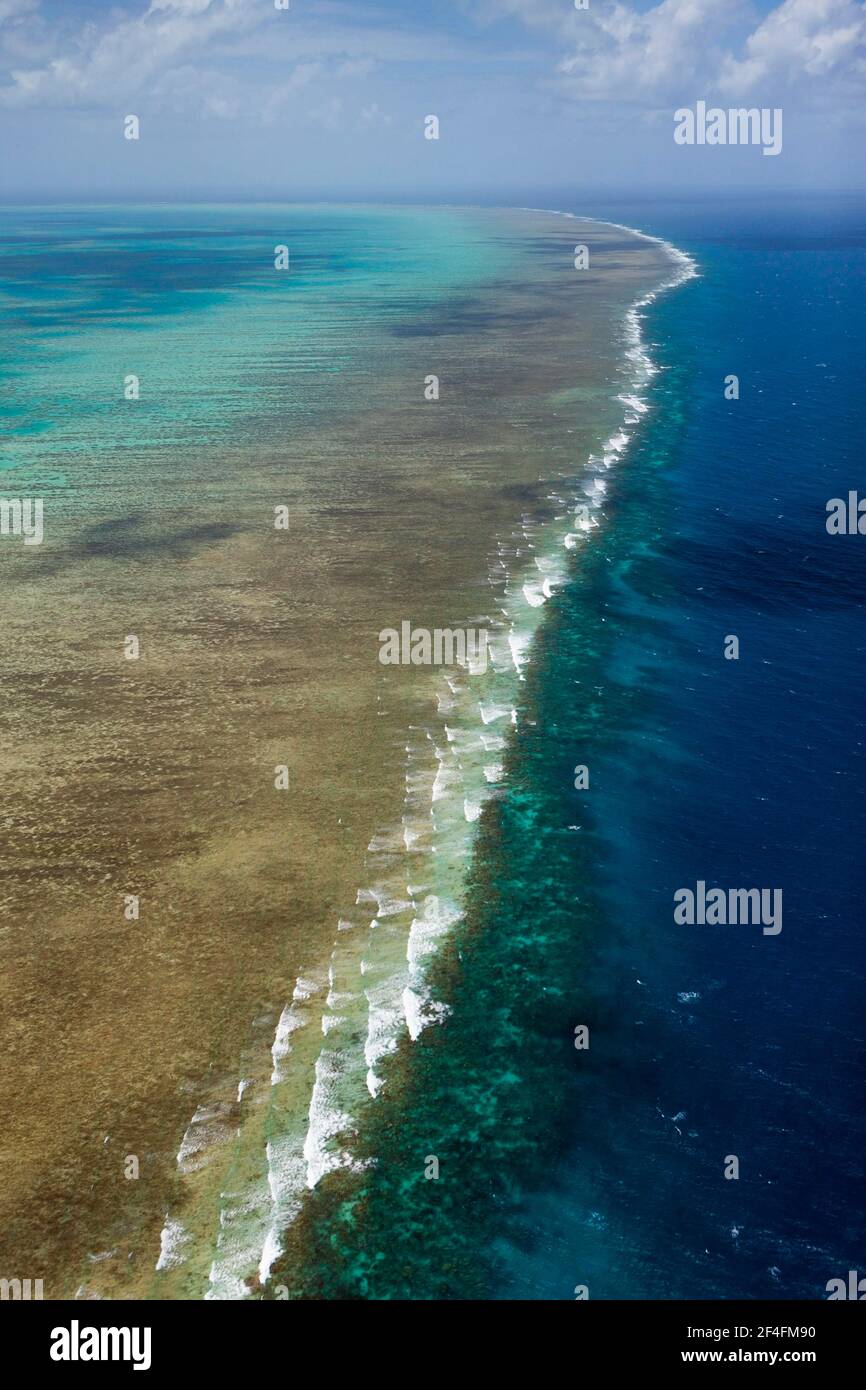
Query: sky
[328, 98]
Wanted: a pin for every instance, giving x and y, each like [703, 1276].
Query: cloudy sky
[328, 97]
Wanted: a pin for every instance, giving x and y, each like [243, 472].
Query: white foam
[173, 1240]
[493, 742]
[272, 1250]
[445, 777]
[413, 1010]
[290, 1021]
[633, 402]
[519, 644]
[386, 904]
[491, 712]
[326, 1119]
[533, 592]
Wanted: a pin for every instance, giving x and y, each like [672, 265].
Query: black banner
[653, 1338]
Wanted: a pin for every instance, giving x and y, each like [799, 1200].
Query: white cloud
[110, 65]
[244, 60]
[808, 39]
[229, 57]
[678, 48]
[282, 95]
[624, 54]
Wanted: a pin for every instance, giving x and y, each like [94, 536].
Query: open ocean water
[603, 1170]
[717, 1041]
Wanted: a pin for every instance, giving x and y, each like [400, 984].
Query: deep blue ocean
[713, 1049]
[717, 1041]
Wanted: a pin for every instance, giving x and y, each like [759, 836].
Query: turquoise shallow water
[188, 300]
